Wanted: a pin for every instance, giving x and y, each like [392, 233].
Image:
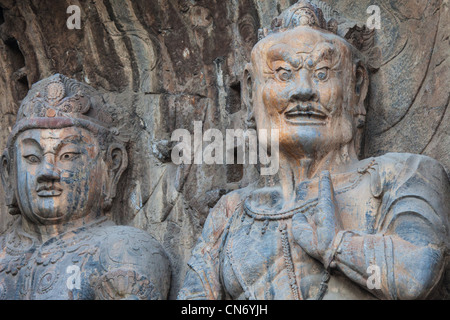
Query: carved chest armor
[272, 265]
[95, 262]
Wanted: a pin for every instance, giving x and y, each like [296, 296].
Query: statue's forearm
[397, 268]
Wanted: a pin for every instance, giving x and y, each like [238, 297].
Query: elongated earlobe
[360, 94]
[117, 162]
[247, 96]
[361, 88]
[8, 184]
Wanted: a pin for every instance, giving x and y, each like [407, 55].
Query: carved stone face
[304, 86]
[60, 174]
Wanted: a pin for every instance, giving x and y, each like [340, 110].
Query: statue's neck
[44, 233]
[293, 171]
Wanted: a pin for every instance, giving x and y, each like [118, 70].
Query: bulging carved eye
[284, 74]
[32, 159]
[69, 156]
[322, 74]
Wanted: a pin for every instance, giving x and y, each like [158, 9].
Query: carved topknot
[318, 14]
[303, 13]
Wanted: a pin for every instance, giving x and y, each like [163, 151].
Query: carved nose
[303, 94]
[303, 91]
[47, 173]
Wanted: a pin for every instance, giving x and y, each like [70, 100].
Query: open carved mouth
[306, 114]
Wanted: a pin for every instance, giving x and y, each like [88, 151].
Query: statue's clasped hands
[319, 235]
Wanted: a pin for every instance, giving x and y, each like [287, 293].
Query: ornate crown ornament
[54, 102]
[59, 102]
[59, 96]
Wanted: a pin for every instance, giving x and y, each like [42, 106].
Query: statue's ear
[8, 184]
[247, 95]
[117, 162]
[361, 87]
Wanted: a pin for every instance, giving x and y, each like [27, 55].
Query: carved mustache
[306, 109]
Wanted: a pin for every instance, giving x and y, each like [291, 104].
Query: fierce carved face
[60, 174]
[305, 85]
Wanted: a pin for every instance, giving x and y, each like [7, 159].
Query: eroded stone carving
[320, 228]
[60, 170]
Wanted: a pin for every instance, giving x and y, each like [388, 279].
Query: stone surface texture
[168, 63]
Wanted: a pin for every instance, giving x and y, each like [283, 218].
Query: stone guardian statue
[328, 225]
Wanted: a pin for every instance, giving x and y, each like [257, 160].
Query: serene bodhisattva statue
[60, 173]
[328, 225]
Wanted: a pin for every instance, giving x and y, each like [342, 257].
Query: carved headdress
[59, 102]
[319, 15]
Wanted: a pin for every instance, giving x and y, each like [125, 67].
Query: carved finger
[325, 214]
[326, 192]
[304, 234]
